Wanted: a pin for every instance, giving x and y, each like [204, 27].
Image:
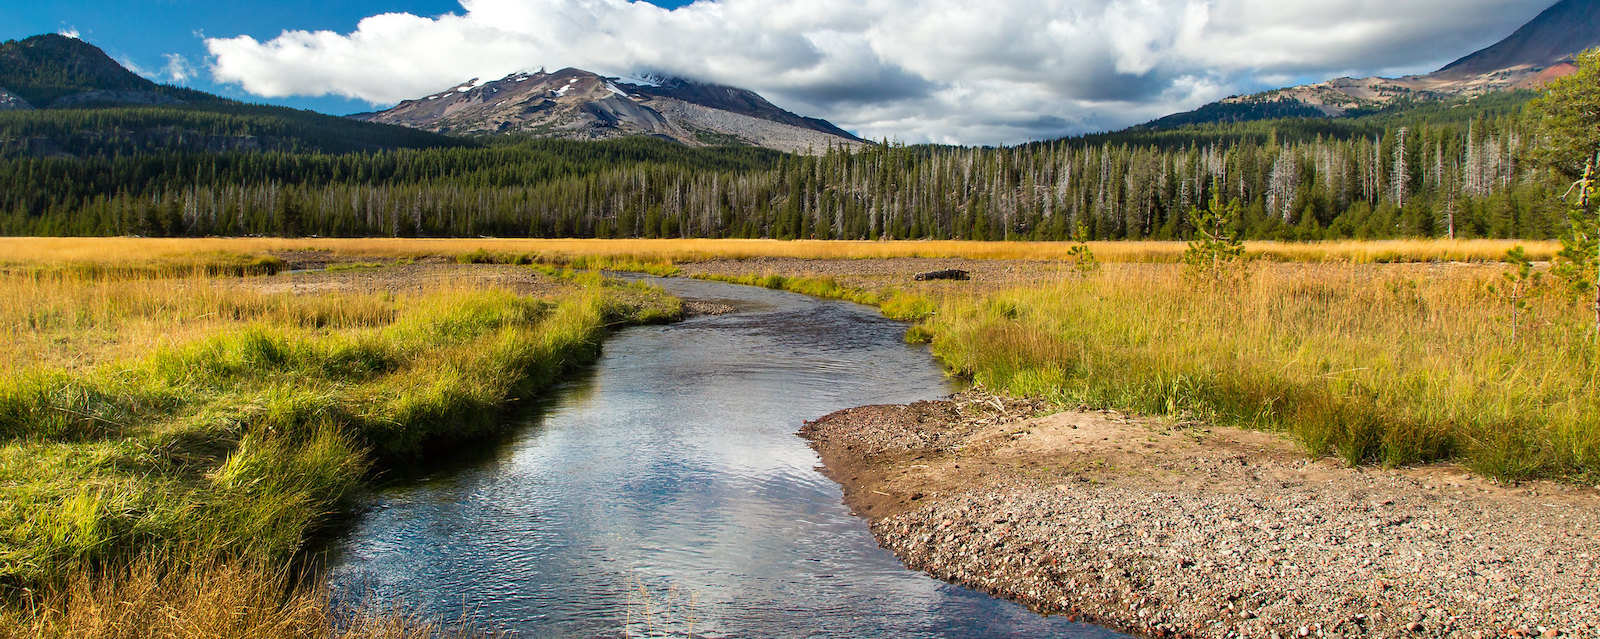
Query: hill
[60, 96]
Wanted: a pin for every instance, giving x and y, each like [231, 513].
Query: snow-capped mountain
[577, 104]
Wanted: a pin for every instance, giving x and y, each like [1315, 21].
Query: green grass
[626, 263]
[219, 264]
[355, 266]
[243, 443]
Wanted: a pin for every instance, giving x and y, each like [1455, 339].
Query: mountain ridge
[576, 104]
[63, 97]
[50, 71]
[1537, 52]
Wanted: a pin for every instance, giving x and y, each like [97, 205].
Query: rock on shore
[1165, 529]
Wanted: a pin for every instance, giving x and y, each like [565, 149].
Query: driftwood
[947, 274]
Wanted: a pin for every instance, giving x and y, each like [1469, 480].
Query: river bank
[1170, 529]
[163, 435]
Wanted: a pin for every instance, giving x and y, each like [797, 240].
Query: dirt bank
[1172, 529]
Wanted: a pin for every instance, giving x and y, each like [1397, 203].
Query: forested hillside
[78, 102]
[1431, 170]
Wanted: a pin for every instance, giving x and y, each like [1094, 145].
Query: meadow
[166, 423]
[154, 253]
[1388, 366]
[1391, 366]
[172, 439]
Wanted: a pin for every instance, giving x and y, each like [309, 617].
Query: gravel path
[1166, 529]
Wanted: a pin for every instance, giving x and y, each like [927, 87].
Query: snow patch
[641, 81]
[613, 88]
[561, 92]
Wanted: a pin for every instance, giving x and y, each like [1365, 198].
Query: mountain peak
[578, 104]
[1555, 36]
[1536, 53]
[54, 70]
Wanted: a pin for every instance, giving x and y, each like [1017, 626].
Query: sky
[949, 71]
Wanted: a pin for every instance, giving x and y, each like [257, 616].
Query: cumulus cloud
[70, 32]
[955, 71]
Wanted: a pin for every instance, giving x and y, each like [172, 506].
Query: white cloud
[999, 71]
[71, 32]
[177, 69]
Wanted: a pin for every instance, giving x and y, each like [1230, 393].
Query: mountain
[1550, 40]
[1538, 52]
[55, 71]
[577, 104]
[63, 97]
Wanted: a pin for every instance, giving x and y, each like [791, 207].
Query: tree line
[1419, 171]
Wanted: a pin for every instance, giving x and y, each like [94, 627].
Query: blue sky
[144, 32]
[948, 71]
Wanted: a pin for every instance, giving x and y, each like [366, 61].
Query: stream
[663, 491]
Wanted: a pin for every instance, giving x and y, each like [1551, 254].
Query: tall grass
[30, 251]
[1373, 366]
[239, 599]
[236, 438]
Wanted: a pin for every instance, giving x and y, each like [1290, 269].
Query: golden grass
[240, 600]
[1390, 365]
[1386, 365]
[122, 250]
[73, 321]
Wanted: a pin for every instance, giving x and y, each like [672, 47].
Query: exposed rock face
[577, 104]
[1555, 36]
[1538, 52]
[11, 102]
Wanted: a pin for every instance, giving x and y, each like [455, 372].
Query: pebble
[1299, 558]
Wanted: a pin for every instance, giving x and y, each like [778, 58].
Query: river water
[664, 490]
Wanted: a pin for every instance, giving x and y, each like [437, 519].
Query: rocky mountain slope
[1538, 52]
[577, 104]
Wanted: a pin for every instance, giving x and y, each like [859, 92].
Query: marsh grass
[118, 266]
[1369, 365]
[1373, 365]
[235, 599]
[33, 251]
[238, 434]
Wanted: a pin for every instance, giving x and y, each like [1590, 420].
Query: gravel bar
[1171, 529]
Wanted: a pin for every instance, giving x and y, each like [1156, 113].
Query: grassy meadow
[1371, 363]
[172, 435]
[153, 253]
[166, 431]
[1386, 366]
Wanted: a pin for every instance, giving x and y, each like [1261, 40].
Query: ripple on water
[674, 470]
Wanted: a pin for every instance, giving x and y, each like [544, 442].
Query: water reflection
[672, 470]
